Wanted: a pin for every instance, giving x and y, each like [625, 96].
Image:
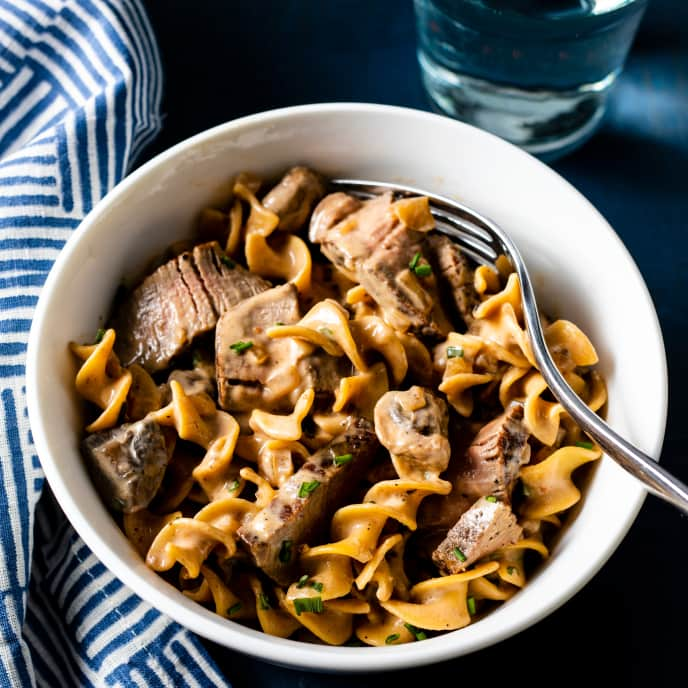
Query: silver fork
[484, 241]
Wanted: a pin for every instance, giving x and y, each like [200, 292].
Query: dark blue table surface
[226, 59]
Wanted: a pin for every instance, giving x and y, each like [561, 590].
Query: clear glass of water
[535, 72]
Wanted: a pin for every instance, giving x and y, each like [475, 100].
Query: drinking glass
[535, 72]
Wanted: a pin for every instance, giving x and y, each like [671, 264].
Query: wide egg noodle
[101, 380]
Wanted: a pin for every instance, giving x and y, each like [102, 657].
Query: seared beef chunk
[455, 276]
[294, 197]
[302, 507]
[484, 528]
[180, 300]
[367, 242]
[487, 464]
[254, 371]
[127, 463]
[413, 426]
[492, 462]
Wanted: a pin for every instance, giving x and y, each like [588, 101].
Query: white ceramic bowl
[581, 271]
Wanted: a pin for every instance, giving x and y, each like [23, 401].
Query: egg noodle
[359, 581]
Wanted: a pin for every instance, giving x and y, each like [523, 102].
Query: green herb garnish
[423, 270]
[326, 331]
[240, 347]
[510, 570]
[585, 445]
[416, 632]
[307, 488]
[302, 581]
[471, 605]
[234, 608]
[459, 554]
[308, 604]
[285, 551]
[454, 352]
[228, 262]
[342, 459]
[100, 333]
[317, 585]
[263, 601]
[392, 638]
[196, 359]
[414, 262]
[491, 498]
[279, 323]
[233, 486]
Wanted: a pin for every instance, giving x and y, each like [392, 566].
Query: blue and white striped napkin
[80, 92]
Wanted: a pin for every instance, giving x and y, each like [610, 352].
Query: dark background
[224, 58]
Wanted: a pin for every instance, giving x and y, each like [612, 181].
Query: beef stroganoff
[318, 418]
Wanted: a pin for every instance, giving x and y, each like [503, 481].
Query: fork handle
[656, 479]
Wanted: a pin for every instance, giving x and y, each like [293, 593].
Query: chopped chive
[100, 333]
[392, 638]
[459, 554]
[342, 459]
[491, 498]
[510, 570]
[454, 352]
[263, 601]
[285, 551]
[307, 488]
[423, 270]
[526, 490]
[240, 347]
[585, 445]
[471, 605]
[416, 632]
[228, 262]
[302, 581]
[233, 486]
[308, 604]
[317, 585]
[279, 323]
[326, 331]
[234, 608]
[414, 262]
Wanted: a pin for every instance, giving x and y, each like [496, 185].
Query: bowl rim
[285, 652]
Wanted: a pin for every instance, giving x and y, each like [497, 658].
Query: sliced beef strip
[413, 426]
[294, 197]
[492, 462]
[128, 463]
[273, 372]
[289, 520]
[455, 276]
[177, 302]
[483, 529]
[367, 242]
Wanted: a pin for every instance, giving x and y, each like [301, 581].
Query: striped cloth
[80, 91]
